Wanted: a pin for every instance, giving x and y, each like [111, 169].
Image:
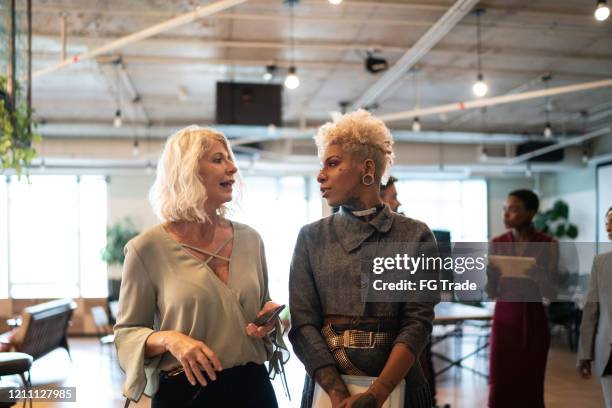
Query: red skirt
[520, 339]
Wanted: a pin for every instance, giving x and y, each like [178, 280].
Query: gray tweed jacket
[325, 279]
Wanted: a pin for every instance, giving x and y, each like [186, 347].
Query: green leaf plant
[117, 235]
[555, 221]
[17, 134]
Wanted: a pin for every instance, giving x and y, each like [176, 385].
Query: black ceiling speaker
[249, 104]
[375, 65]
[554, 156]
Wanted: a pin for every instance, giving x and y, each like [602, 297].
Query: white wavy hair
[363, 134]
[178, 193]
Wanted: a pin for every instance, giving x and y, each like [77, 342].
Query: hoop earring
[363, 180]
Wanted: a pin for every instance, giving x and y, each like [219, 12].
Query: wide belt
[338, 343]
[356, 338]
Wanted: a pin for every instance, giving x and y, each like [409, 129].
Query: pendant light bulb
[480, 87]
[117, 121]
[548, 131]
[602, 12]
[292, 81]
[416, 125]
[269, 74]
[335, 2]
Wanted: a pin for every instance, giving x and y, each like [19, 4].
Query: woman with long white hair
[193, 285]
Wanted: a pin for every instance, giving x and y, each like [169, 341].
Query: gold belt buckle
[346, 340]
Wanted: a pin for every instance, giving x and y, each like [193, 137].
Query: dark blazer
[325, 279]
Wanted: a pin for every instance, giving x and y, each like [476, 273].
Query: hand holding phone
[269, 316]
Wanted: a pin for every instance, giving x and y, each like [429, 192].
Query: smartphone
[268, 316]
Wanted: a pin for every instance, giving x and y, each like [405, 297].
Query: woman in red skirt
[520, 336]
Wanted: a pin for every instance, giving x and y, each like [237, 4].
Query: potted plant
[17, 133]
[117, 235]
[555, 221]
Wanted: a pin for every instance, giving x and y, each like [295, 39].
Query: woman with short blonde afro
[334, 330]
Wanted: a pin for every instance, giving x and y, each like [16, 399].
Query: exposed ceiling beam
[434, 35]
[466, 116]
[150, 62]
[315, 45]
[550, 12]
[175, 22]
[564, 19]
[497, 100]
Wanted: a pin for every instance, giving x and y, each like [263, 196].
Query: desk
[455, 314]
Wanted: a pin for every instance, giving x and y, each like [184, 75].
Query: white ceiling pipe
[496, 100]
[256, 134]
[432, 37]
[274, 168]
[565, 143]
[199, 12]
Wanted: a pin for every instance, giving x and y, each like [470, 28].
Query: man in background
[388, 194]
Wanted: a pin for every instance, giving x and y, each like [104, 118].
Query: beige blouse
[165, 287]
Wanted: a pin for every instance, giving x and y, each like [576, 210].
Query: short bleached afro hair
[360, 133]
[178, 193]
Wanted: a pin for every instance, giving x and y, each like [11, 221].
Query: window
[458, 206]
[277, 207]
[56, 228]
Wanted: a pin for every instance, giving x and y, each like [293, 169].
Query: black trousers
[243, 386]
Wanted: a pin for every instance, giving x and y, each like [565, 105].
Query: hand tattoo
[329, 379]
[365, 401]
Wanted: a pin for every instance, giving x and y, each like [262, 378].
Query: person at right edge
[595, 331]
[333, 331]
[520, 336]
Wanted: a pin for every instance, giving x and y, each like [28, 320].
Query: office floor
[98, 380]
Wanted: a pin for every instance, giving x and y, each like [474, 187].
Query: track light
[375, 65]
[480, 87]
[602, 12]
[335, 2]
[118, 121]
[292, 81]
[269, 74]
[416, 125]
